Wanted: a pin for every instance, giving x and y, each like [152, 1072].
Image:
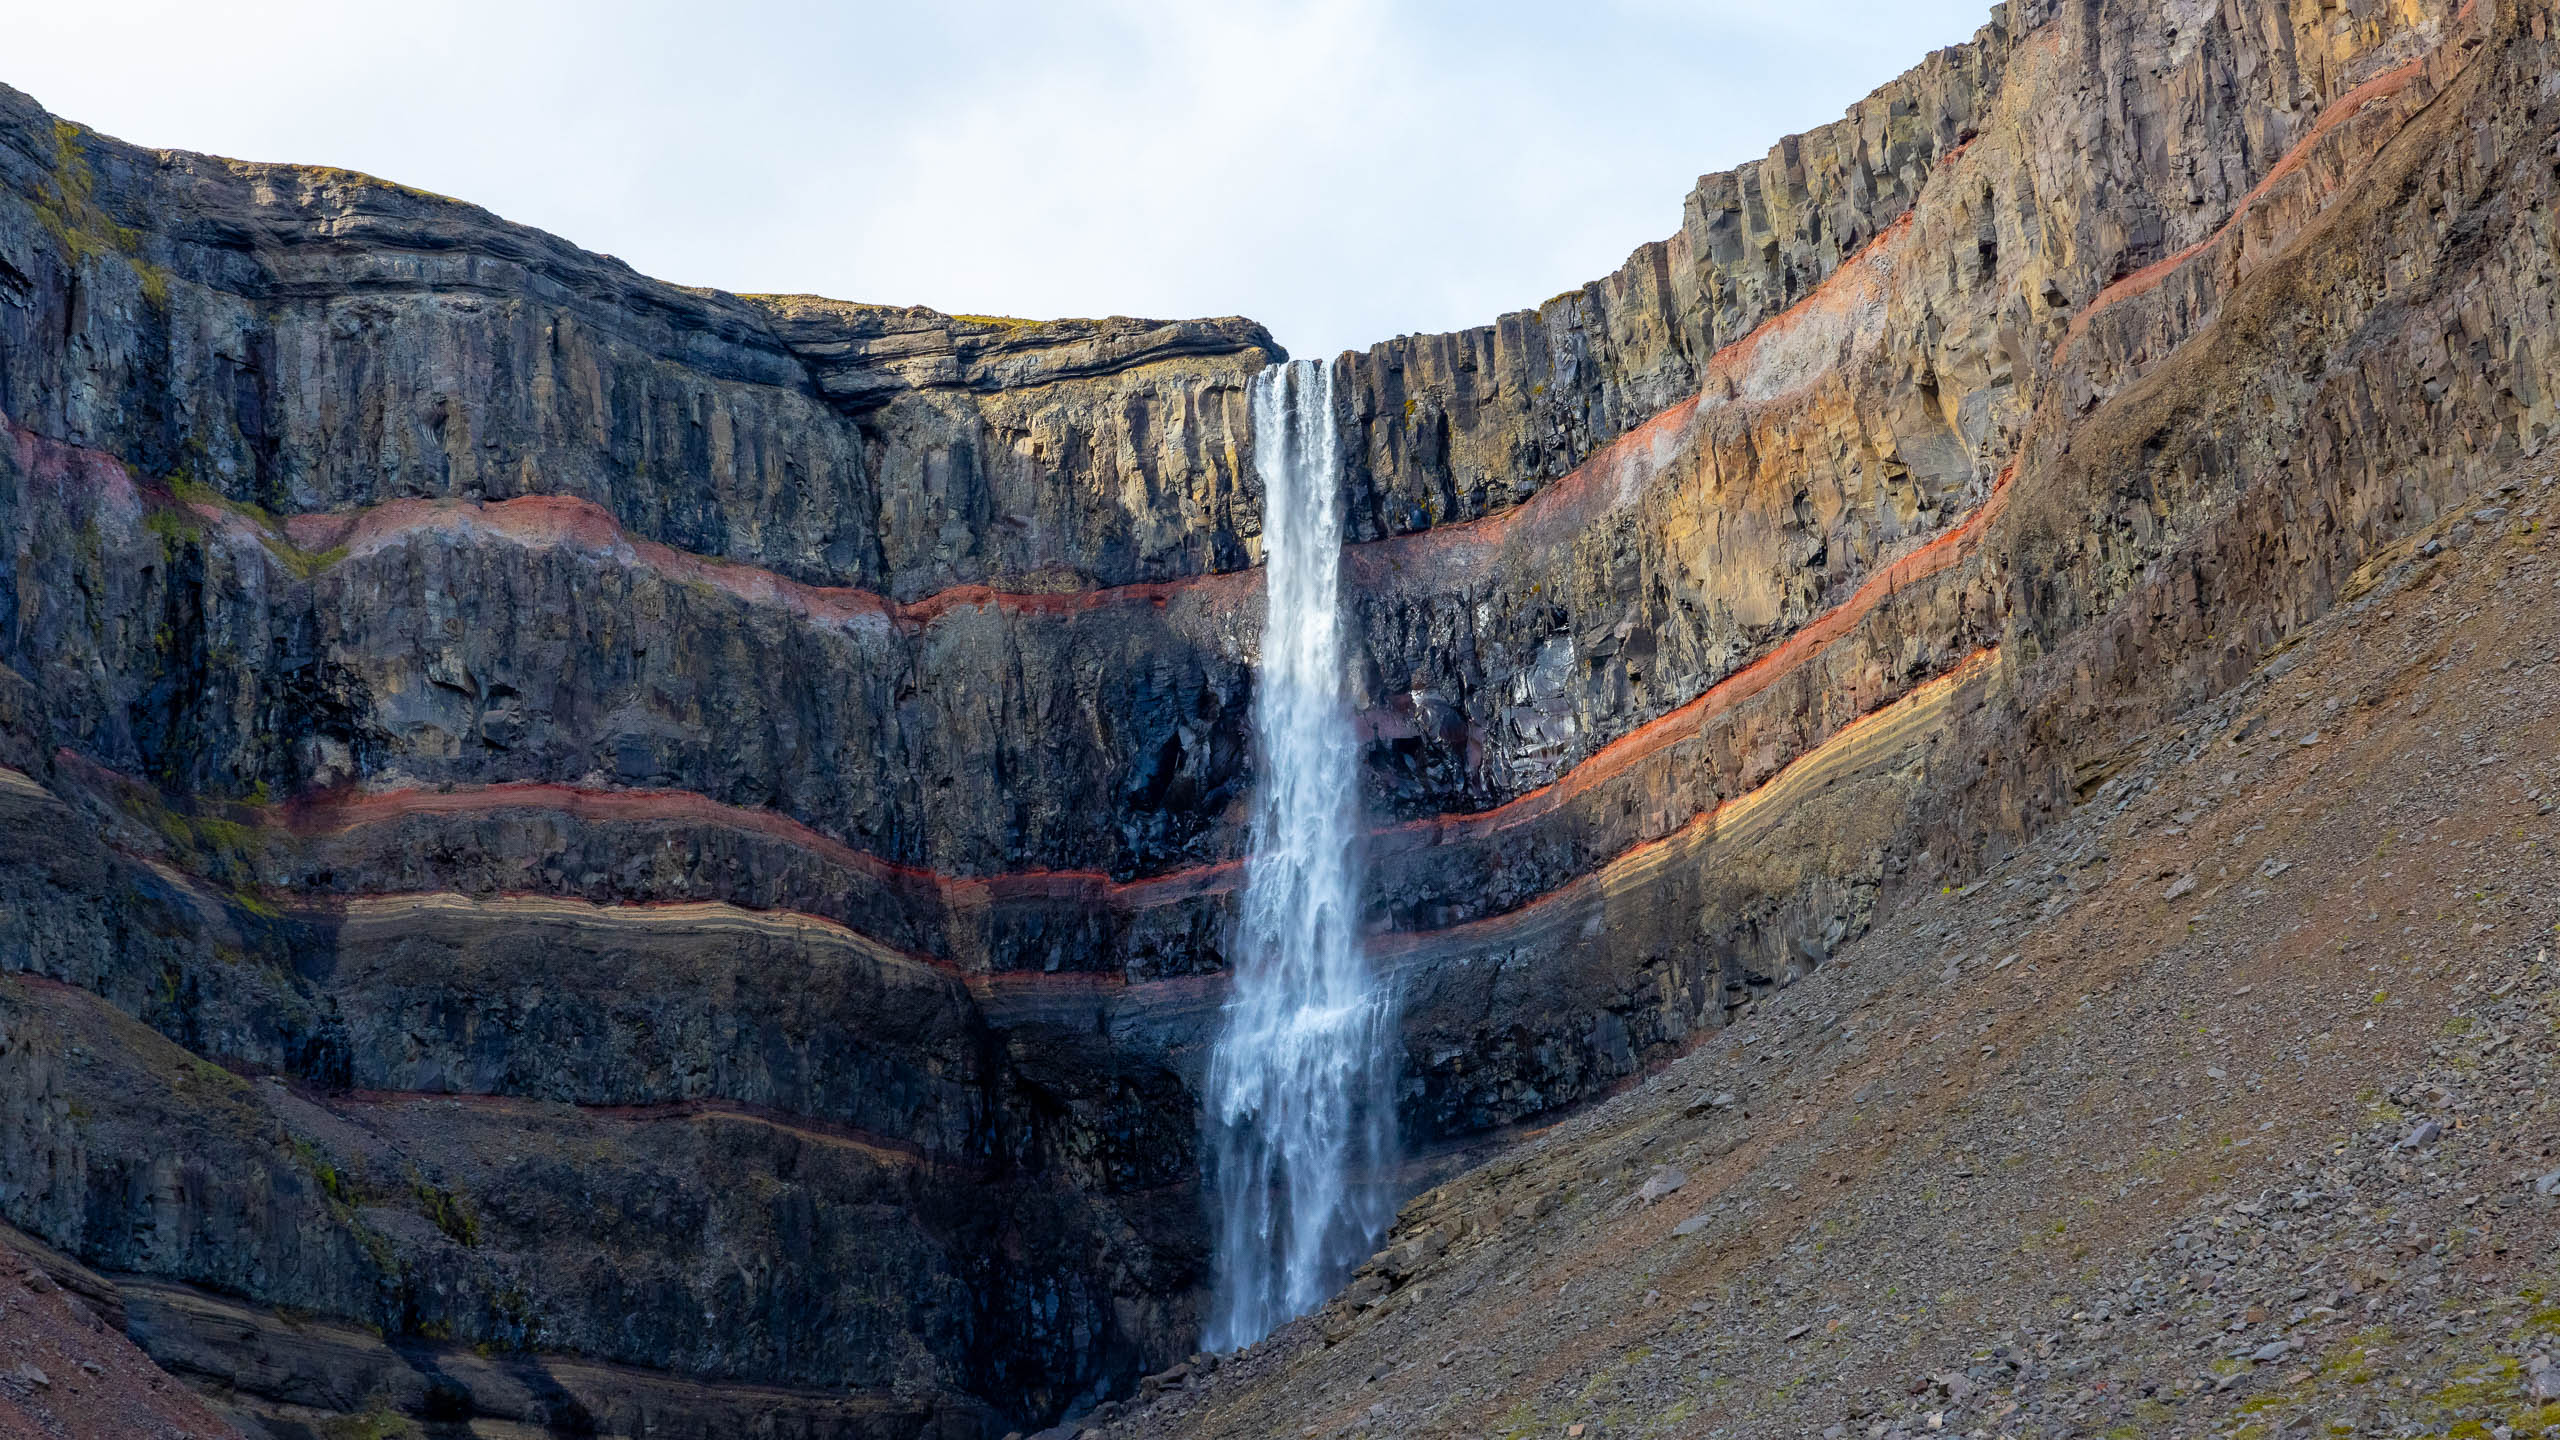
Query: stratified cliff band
[595, 854]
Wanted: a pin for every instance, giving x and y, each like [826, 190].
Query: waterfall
[1300, 1107]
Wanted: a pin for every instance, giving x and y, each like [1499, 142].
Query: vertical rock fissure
[1300, 1105]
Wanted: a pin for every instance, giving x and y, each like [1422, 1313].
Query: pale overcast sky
[1342, 170]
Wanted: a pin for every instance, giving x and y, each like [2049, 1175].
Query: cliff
[595, 854]
[443, 663]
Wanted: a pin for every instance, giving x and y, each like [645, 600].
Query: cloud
[1340, 169]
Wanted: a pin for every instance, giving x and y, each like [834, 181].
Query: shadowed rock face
[646, 855]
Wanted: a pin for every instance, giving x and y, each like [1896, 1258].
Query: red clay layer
[1571, 503]
[1617, 757]
[569, 522]
[984, 985]
[340, 811]
[2150, 277]
[1406, 941]
[61, 464]
[349, 811]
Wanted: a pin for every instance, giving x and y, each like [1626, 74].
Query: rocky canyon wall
[444, 663]
[608, 855]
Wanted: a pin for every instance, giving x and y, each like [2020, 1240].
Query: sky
[1341, 170]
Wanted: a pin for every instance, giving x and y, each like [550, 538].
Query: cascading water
[1300, 1105]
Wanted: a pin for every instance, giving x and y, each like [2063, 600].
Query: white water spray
[1300, 1102]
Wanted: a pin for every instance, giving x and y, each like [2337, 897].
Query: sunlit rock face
[634, 856]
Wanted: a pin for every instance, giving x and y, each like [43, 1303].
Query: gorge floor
[2228, 1106]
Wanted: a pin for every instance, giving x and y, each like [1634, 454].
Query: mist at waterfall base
[1300, 1088]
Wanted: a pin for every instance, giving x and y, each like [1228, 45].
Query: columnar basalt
[584, 804]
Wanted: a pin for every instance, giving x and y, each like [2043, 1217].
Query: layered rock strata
[697, 805]
[444, 663]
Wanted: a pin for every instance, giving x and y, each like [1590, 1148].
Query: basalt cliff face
[592, 854]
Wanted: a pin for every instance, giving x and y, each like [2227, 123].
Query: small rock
[2544, 1384]
[1692, 1225]
[1164, 1380]
[2309, 738]
[1665, 1181]
[2272, 1350]
[1796, 1334]
[2427, 1133]
[2183, 885]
